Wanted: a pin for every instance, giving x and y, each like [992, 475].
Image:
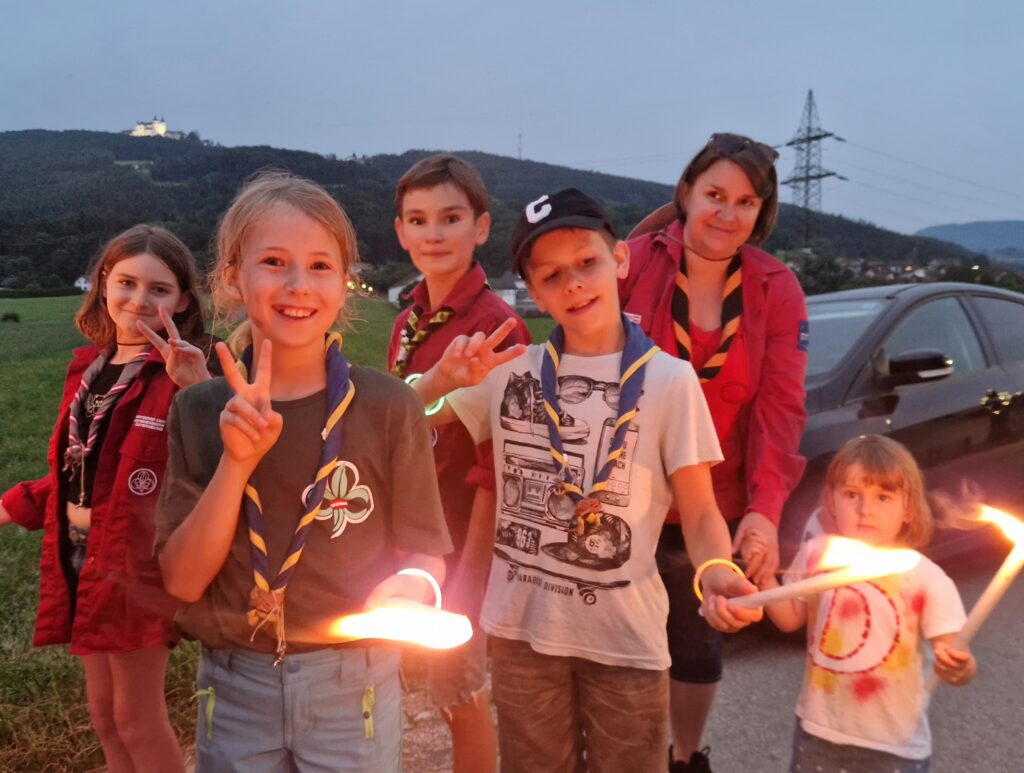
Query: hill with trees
[1001, 240]
[66, 192]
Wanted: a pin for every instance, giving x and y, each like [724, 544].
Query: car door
[946, 423]
[1002, 468]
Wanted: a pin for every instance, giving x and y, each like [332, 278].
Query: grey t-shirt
[386, 501]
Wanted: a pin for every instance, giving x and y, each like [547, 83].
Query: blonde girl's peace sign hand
[249, 425]
[185, 363]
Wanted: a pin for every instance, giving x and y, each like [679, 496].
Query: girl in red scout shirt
[100, 587]
[298, 488]
[700, 288]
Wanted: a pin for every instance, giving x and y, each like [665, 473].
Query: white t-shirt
[868, 656]
[595, 595]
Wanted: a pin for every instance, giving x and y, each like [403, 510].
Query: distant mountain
[65, 193]
[990, 237]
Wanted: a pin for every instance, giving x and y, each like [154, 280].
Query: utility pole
[808, 172]
[520, 146]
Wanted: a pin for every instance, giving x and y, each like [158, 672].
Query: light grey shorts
[328, 710]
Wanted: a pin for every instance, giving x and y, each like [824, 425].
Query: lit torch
[1013, 529]
[852, 561]
[407, 621]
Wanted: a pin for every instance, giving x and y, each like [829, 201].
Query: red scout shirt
[121, 603]
[461, 466]
[757, 398]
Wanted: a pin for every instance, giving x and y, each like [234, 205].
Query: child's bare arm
[474, 566]
[196, 550]
[5, 517]
[788, 614]
[466, 361]
[953, 665]
[707, 537]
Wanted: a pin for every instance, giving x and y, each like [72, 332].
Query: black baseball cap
[569, 208]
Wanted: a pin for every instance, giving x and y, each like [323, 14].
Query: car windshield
[834, 328]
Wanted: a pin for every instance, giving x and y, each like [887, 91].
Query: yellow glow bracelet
[707, 565]
[430, 410]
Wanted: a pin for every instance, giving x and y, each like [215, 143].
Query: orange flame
[844, 553]
[406, 621]
[1012, 527]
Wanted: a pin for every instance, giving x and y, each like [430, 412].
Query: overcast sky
[929, 94]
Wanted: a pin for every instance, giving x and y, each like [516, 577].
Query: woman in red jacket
[699, 286]
[100, 587]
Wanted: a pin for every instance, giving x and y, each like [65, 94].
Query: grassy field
[44, 723]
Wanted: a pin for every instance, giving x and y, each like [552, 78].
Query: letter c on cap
[538, 210]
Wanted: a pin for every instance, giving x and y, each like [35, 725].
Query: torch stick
[857, 562]
[1008, 571]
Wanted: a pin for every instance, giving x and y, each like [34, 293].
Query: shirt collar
[462, 295]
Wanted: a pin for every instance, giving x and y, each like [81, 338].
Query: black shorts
[694, 646]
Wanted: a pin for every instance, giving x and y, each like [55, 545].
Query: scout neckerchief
[638, 351]
[732, 313]
[266, 601]
[413, 337]
[74, 457]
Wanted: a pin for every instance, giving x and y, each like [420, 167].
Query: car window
[834, 327]
[941, 325]
[1005, 323]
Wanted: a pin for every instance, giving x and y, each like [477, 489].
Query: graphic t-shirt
[868, 656]
[589, 589]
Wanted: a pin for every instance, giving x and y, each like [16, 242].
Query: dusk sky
[928, 94]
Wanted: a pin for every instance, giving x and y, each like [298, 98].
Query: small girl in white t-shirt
[864, 701]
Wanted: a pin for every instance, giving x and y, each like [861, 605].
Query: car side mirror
[916, 366]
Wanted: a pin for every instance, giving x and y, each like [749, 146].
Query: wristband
[417, 572]
[434, 407]
[707, 565]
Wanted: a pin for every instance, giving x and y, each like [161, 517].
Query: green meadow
[44, 723]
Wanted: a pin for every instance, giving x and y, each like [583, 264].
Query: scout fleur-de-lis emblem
[345, 501]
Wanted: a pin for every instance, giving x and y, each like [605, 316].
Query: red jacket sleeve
[26, 502]
[773, 462]
[640, 250]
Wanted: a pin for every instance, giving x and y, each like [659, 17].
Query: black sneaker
[699, 762]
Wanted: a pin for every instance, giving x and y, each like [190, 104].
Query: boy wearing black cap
[596, 434]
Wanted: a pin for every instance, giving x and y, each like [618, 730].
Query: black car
[938, 367]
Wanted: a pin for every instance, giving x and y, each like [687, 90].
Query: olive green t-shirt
[390, 505]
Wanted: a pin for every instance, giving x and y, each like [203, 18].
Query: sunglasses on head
[731, 144]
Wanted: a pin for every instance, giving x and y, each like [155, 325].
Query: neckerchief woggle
[266, 600]
[639, 349]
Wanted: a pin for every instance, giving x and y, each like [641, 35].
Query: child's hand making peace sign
[186, 364]
[249, 425]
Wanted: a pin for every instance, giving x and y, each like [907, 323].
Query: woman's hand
[185, 363]
[249, 425]
[468, 359]
[719, 584]
[757, 542]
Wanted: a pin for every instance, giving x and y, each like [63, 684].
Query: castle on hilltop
[155, 128]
